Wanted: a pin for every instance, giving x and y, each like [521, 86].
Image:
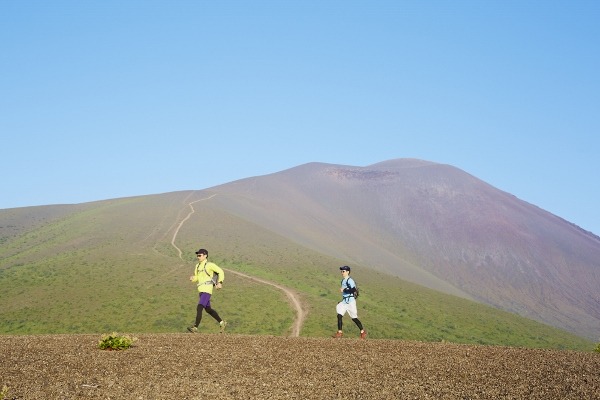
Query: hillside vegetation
[114, 266]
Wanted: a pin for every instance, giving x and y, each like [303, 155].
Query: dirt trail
[291, 295]
[168, 366]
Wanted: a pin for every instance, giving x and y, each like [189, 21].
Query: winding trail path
[291, 295]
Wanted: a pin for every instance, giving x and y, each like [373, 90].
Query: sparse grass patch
[114, 341]
[3, 392]
[597, 349]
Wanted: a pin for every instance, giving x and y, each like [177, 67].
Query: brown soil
[200, 366]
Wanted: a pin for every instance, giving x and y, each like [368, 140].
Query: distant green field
[112, 266]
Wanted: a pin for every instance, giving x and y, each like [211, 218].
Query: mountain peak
[438, 226]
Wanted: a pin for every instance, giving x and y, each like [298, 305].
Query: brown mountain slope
[434, 225]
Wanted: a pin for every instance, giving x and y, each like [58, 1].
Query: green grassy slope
[112, 266]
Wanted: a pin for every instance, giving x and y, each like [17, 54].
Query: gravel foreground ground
[200, 366]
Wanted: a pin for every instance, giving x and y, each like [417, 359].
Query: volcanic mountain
[434, 225]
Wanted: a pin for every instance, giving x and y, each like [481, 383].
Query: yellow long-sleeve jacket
[203, 275]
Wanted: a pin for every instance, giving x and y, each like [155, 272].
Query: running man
[205, 279]
[348, 303]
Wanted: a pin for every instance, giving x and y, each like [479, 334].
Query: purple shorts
[204, 299]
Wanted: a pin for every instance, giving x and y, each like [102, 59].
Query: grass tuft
[3, 392]
[114, 341]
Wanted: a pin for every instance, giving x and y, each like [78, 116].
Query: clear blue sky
[107, 99]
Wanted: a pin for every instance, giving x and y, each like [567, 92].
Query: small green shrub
[114, 341]
[3, 392]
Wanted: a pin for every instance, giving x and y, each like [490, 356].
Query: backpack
[355, 291]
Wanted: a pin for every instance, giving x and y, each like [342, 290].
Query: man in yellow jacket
[206, 276]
